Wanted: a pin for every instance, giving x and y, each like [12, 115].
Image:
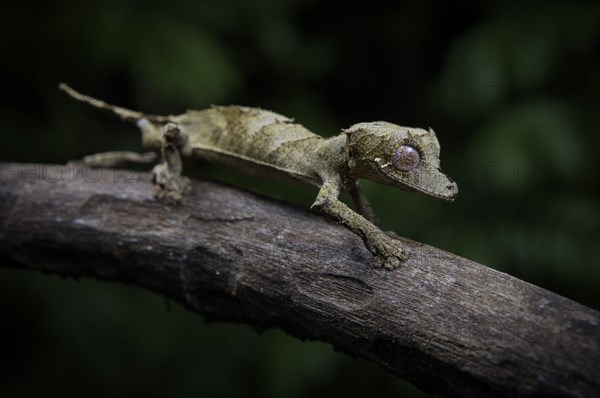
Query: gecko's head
[408, 158]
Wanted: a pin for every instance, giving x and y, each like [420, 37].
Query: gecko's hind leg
[362, 204]
[119, 158]
[167, 174]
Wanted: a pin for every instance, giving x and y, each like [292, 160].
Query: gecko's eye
[406, 158]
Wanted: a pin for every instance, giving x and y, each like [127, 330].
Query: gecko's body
[265, 143]
[257, 141]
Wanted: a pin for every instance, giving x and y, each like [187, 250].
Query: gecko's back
[257, 141]
[252, 140]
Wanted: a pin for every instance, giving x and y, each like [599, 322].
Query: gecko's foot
[170, 186]
[388, 253]
[172, 197]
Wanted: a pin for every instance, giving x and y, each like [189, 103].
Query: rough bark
[447, 324]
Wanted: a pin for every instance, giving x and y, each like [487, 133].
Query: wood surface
[447, 324]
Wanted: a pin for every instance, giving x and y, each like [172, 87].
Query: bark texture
[447, 324]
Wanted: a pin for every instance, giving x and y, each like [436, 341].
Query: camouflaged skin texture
[265, 143]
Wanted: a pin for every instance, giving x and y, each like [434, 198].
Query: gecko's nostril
[452, 187]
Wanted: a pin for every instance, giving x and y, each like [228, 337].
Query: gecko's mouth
[446, 191]
[452, 190]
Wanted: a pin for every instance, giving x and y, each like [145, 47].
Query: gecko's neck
[333, 155]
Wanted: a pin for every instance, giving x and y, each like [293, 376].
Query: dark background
[511, 89]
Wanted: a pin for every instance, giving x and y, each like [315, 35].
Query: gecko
[271, 145]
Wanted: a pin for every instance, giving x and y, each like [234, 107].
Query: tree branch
[447, 324]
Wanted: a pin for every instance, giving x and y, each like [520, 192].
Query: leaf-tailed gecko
[265, 143]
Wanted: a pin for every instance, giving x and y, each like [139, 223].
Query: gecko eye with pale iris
[406, 158]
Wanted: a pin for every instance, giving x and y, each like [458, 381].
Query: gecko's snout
[451, 190]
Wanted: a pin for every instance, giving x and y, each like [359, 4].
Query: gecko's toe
[170, 185]
[403, 255]
[171, 197]
[377, 262]
[392, 263]
[386, 262]
[389, 254]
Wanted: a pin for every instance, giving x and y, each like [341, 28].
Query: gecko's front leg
[387, 252]
[167, 174]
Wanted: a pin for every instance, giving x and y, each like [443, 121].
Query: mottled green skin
[265, 143]
[257, 141]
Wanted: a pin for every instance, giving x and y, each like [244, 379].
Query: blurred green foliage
[511, 89]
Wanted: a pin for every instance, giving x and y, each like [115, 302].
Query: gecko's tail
[123, 113]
